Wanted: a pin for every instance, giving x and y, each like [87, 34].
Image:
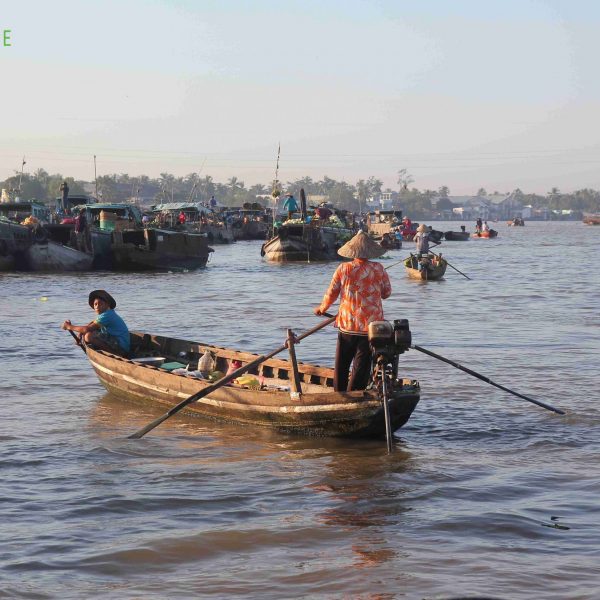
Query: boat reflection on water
[355, 485]
[362, 482]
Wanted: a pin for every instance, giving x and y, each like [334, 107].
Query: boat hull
[15, 240]
[157, 249]
[429, 272]
[592, 220]
[304, 243]
[318, 411]
[52, 256]
[252, 230]
[457, 236]
[492, 233]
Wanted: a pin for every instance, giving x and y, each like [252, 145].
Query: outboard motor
[387, 341]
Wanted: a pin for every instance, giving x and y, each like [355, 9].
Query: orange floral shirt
[362, 285]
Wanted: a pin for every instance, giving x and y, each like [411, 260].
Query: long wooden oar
[432, 252]
[453, 267]
[487, 379]
[78, 341]
[224, 381]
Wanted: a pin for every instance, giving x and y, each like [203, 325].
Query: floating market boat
[199, 219]
[15, 239]
[120, 241]
[492, 233]
[47, 255]
[158, 249]
[427, 268]
[435, 235]
[297, 241]
[456, 236]
[266, 400]
[592, 219]
[251, 222]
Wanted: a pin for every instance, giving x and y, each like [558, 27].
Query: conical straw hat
[361, 246]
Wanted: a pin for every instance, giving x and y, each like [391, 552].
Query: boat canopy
[17, 211]
[185, 206]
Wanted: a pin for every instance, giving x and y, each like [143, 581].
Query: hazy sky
[484, 93]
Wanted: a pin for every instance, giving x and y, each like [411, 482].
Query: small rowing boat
[426, 268]
[592, 219]
[456, 236]
[492, 233]
[268, 399]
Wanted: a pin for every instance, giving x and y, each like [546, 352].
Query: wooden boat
[435, 235]
[382, 222]
[428, 268]
[15, 239]
[199, 219]
[456, 236]
[248, 223]
[592, 219]
[46, 255]
[304, 242]
[318, 410]
[119, 241]
[492, 233]
[158, 249]
[389, 241]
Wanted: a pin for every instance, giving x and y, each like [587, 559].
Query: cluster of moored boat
[116, 236]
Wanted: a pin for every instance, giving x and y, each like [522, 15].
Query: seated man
[108, 331]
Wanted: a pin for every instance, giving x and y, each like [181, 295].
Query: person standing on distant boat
[81, 231]
[290, 204]
[108, 331]
[212, 202]
[361, 286]
[181, 218]
[422, 240]
[64, 189]
[478, 225]
[485, 226]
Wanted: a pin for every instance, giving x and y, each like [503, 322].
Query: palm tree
[404, 179]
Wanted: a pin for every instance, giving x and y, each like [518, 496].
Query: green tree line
[44, 187]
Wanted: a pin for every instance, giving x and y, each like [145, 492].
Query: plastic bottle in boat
[206, 364]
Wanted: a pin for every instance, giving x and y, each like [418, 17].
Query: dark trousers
[352, 348]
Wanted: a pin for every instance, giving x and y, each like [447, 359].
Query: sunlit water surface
[484, 494]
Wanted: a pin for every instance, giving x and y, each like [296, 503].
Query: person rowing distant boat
[422, 240]
[108, 331]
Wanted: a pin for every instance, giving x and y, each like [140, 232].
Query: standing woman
[361, 285]
[422, 240]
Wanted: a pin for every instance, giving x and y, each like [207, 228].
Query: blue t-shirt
[112, 324]
[290, 204]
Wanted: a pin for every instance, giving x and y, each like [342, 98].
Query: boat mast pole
[96, 177]
[21, 175]
[275, 188]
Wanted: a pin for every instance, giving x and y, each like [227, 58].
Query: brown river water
[485, 495]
